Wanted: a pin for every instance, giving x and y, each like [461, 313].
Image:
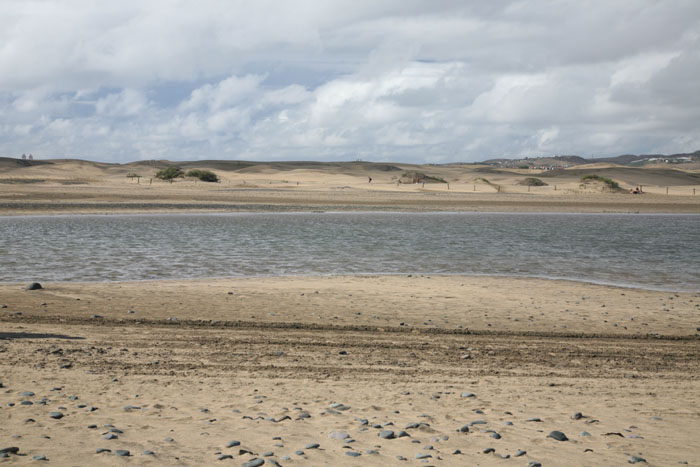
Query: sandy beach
[345, 370]
[183, 368]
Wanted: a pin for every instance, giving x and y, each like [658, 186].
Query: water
[648, 251]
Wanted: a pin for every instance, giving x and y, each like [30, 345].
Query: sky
[404, 81]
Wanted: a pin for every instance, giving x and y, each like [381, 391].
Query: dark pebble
[299, 452]
[224, 456]
[464, 429]
[10, 450]
[56, 415]
[534, 419]
[488, 450]
[422, 455]
[254, 462]
[387, 434]
[110, 436]
[232, 444]
[149, 453]
[636, 459]
[92, 427]
[402, 434]
[353, 453]
[558, 435]
[39, 457]
[312, 446]
[34, 286]
[577, 416]
[456, 451]
[519, 453]
[495, 436]
[26, 394]
[101, 450]
[534, 464]
[122, 453]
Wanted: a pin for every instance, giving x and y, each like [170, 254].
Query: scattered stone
[254, 462]
[468, 394]
[149, 453]
[585, 433]
[402, 434]
[577, 416]
[129, 408]
[423, 455]
[464, 429]
[353, 453]
[92, 427]
[519, 452]
[558, 435]
[636, 459]
[122, 453]
[34, 286]
[387, 434]
[56, 415]
[232, 444]
[101, 450]
[371, 451]
[26, 394]
[341, 435]
[96, 317]
[495, 436]
[488, 450]
[10, 450]
[534, 419]
[39, 457]
[109, 436]
[534, 464]
[224, 457]
[312, 446]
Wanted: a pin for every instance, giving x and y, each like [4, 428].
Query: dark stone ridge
[558, 435]
[34, 286]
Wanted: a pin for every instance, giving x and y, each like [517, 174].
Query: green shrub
[170, 173]
[532, 181]
[203, 175]
[608, 181]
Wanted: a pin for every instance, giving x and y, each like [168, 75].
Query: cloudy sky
[405, 81]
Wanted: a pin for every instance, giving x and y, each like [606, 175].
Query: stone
[520, 452]
[122, 453]
[577, 416]
[558, 435]
[495, 436]
[534, 464]
[149, 453]
[636, 459]
[353, 453]
[101, 450]
[224, 456]
[312, 446]
[254, 462]
[10, 450]
[34, 286]
[341, 435]
[26, 394]
[56, 415]
[488, 450]
[387, 434]
[109, 436]
[464, 429]
[232, 444]
[468, 394]
[39, 457]
[423, 455]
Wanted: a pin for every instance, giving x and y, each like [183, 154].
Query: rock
[534, 419]
[558, 435]
[464, 429]
[519, 452]
[233, 444]
[636, 459]
[56, 415]
[387, 434]
[478, 422]
[122, 453]
[26, 394]
[488, 450]
[402, 434]
[353, 453]
[341, 435]
[423, 455]
[312, 446]
[109, 436]
[495, 436]
[39, 457]
[577, 416]
[101, 450]
[468, 394]
[371, 451]
[10, 450]
[224, 456]
[254, 462]
[149, 453]
[34, 286]
[534, 464]
[585, 433]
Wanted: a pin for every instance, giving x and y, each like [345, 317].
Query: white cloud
[409, 80]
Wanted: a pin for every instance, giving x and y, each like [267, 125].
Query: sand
[210, 361]
[182, 368]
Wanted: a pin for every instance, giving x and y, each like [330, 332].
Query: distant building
[24, 157]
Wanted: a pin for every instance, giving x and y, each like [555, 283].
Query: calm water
[650, 251]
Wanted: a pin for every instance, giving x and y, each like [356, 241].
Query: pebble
[353, 453]
[534, 464]
[534, 419]
[122, 453]
[636, 459]
[488, 450]
[387, 434]
[34, 286]
[585, 433]
[519, 452]
[464, 429]
[371, 451]
[254, 462]
[101, 450]
[577, 416]
[341, 435]
[423, 455]
[39, 457]
[558, 435]
[56, 415]
[10, 450]
[495, 436]
[26, 394]
[224, 456]
[312, 446]
[232, 444]
[149, 453]
[468, 394]
[110, 436]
